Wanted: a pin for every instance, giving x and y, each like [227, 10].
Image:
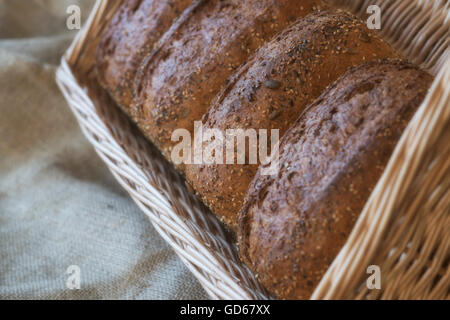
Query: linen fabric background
[59, 205]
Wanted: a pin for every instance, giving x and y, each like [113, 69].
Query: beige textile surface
[59, 205]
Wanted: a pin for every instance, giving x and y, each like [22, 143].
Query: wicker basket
[404, 227]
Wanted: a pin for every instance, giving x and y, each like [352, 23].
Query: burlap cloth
[59, 205]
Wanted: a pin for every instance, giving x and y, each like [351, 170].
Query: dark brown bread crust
[293, 225]
[131, 35]
[304, 59]
[177, 81]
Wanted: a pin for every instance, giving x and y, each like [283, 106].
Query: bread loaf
[293, 224]
[177, 81]
[272, 90]
[130, 36]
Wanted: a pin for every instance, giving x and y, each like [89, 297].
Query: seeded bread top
[177, 82]
[133, 32]
[293, 225]
[274, 87]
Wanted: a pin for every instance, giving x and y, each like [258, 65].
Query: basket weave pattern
[403, 228]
